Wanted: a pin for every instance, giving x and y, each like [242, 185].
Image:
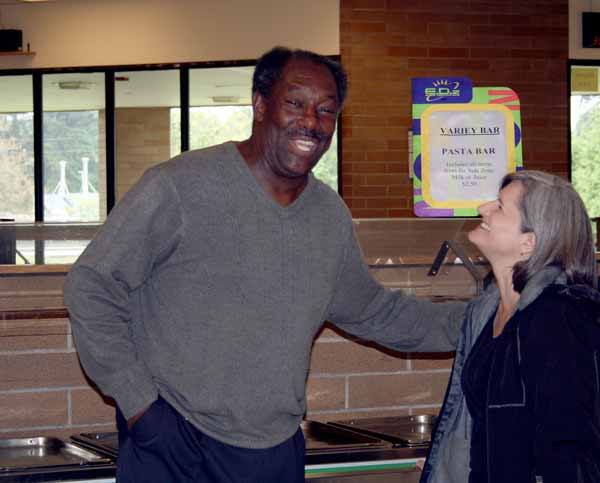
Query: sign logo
[432, 90]
[442, 88]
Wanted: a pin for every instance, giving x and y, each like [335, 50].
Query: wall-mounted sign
[584, 79]
[465, 139]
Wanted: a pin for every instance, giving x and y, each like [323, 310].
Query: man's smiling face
[298, 118]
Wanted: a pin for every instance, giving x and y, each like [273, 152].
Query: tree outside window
[585, 150]
[16, 166]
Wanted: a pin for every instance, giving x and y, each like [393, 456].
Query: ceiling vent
[74, 85]
[225, 99]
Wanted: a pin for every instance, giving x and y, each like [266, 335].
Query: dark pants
[162, 447]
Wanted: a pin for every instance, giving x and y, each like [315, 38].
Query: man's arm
[142, 230]
[361, 306]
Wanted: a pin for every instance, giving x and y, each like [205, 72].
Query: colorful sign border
[457, 93]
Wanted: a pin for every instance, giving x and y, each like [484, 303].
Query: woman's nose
[485, 208]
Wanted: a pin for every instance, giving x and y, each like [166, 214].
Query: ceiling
[16, 2]
[151, 88]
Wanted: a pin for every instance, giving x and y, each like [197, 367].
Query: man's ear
[259, 106]
[528, 242]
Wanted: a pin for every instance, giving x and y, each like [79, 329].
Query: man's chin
[303, 167]
[297, 174]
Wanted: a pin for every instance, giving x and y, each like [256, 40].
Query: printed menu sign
[584, 79]
[465, 140]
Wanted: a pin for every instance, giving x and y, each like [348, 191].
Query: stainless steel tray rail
[104, 443]
[21, 454]
[411, 431]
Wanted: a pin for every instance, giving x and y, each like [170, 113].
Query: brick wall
[43, 390]
[143, 140]
[354, 380]
[384, 43]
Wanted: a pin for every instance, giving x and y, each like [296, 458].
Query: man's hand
[133, 419]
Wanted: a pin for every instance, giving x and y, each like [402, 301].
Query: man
[196, 304]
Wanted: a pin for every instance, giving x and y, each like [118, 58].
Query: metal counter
[333, 454]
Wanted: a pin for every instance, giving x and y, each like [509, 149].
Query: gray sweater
[201, 288]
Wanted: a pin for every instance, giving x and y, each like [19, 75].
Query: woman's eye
[293, 102]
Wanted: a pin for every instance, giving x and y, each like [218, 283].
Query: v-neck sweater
[201, 288]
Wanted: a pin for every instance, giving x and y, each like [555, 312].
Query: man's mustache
[310, 133]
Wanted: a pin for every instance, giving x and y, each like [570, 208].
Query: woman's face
[499, 235]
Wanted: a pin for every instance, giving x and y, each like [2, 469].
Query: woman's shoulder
[562, 313]
[581, 300]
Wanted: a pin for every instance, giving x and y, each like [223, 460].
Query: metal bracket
[466, 261]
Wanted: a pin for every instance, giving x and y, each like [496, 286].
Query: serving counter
[344, 450]
[38, 349]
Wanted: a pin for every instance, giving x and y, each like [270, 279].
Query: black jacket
[543, 397]
[543, 416]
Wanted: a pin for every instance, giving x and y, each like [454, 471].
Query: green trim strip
[344, 468]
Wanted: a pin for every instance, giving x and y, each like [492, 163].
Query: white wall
[70, 33]
[575, 9]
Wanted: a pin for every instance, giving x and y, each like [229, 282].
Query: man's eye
[293, 102]
[327, 110]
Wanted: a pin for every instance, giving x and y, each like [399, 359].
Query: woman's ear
[528, 242]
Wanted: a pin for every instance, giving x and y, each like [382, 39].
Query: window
[74, 140]
[16, 149]
[220, 105]
[74, 185]
[221, 110]
[144, 101]
[327, 168]
[585, 134]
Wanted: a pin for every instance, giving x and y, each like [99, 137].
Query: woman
[523, 403]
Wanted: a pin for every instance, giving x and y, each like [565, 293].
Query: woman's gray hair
[554, 212]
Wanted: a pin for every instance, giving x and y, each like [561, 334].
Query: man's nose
[309, 117]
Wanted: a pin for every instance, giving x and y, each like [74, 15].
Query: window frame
[570, 64]
[110, 140]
